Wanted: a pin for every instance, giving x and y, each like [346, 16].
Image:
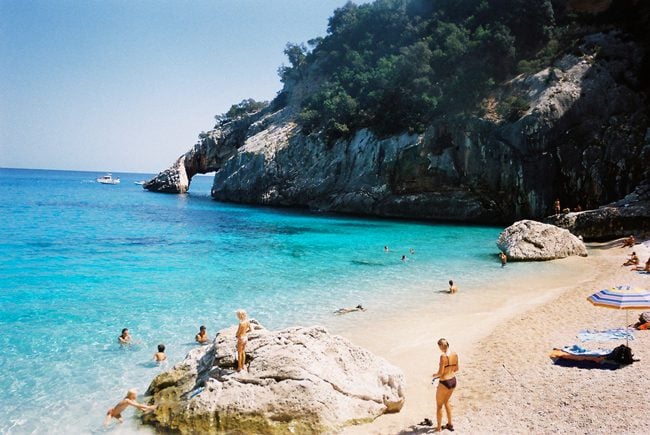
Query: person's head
[241, 314]
[125, 332]
[161, 347]
[451, 282]
[132, 394]
[360, 307]
[633, 253]
[202, 329]
[443, 344]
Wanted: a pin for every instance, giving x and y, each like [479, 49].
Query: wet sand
[507, 383]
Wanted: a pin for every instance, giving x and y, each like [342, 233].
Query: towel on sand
[606, 335]
[578, 350]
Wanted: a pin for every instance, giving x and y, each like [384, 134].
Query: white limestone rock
[528, 240]
[299, 380]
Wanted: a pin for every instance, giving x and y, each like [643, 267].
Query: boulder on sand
[299, 380]
[533, 241]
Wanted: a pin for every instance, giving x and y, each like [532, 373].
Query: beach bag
[621, 355]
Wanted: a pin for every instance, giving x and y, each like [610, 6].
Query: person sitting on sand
[503, 258]
[160, 355]
[629, 242]
[349, 310]
[242, 338]
[125, 338]
[129, 400]
[202, 336]
[645, 268]
[632, 261]
[447, 374]
[452, 287]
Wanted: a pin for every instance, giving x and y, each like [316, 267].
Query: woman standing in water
[446, 373]
[242, 338]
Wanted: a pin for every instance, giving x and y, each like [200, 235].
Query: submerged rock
[529, 241]
[299, 380]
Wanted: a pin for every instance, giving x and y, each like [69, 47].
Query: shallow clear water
[80, 260]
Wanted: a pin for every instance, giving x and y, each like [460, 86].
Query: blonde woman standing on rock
[242, 338]
[446, 373]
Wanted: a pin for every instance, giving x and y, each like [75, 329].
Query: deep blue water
[80, 260]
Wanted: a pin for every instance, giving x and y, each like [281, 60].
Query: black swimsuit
[449, 383]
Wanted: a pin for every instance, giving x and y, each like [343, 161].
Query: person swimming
[202, 336]
[125, 338]
[160, 355]
[349, 310]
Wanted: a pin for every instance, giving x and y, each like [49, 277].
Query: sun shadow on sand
[417, 429]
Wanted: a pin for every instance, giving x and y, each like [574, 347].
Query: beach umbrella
[622, 297]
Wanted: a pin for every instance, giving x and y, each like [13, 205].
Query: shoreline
[487, 341]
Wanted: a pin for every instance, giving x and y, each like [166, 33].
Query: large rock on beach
[299, 380]
[532, 241]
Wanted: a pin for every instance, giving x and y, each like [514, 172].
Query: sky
[127, 85]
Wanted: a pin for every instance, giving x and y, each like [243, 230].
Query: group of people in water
[125, 339]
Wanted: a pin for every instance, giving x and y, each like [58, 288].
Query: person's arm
[441, 368]
[140, 406]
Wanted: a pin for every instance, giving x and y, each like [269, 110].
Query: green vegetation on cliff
[397, 65]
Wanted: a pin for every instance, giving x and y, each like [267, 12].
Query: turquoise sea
[80, 260]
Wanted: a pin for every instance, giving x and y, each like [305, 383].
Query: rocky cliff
[584, 139]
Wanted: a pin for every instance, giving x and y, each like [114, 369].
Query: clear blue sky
[127, 85]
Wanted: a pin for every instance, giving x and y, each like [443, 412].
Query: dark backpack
[621, 355]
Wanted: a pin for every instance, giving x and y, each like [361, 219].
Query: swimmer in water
[125, 339]
[160, 355]
[349, 310]
[202, 336]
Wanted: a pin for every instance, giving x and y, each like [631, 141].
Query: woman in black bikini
[446, 372]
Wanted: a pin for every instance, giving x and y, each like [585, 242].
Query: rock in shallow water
[530, 240]
[300, 379]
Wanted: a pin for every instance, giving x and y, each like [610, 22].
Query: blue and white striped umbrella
[622, 298]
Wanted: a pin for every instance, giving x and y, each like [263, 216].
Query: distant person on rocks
[503, 258]
[160, 355]
[125, 338]
[629, 242]
[202, 336]
[129, 400]
[447, 369]
[556, 206]
[349, 310]
[632, 261]
[452, 287]
[242, 338]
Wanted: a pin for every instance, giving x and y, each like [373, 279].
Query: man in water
[503, 258]
[125, 338]
[129, 400]
[202, 336]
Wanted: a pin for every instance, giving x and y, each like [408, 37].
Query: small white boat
[108, 179]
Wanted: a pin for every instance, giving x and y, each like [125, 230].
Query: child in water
[160, 355]
[129, 400]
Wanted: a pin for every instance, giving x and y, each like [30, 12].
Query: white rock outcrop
[530, 241]
[299, 380]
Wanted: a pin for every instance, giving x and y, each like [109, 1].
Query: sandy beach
[507, 383]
